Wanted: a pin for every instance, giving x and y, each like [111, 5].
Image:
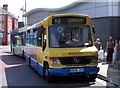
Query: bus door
[40, 34]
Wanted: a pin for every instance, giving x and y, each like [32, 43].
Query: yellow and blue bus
[60, 45]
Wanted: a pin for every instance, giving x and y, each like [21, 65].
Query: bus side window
[28, 37]
[17, 37]
[35, 36]
[23, 38]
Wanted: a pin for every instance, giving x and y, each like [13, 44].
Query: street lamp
[23, 12]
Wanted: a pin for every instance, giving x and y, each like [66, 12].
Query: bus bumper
[73, 71]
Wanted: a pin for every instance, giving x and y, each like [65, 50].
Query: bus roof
[34, 25]
[22, 29]
[43, 22]
[84, 15]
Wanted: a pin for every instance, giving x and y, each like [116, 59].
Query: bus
[60, 45]
[18, 41]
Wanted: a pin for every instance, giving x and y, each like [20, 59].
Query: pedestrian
[110, 49]
[116, 54]
[98, 44]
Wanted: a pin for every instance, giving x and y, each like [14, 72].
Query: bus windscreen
[69, 36]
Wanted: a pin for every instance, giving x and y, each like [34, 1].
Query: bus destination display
[67, 20]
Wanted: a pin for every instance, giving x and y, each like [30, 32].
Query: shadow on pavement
[12, 60]
[22, 76]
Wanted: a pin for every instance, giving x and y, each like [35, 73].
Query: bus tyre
[29, 62]
[13, 51]
[46, 73]
[92, 77]
[11, 48]
[23, 54]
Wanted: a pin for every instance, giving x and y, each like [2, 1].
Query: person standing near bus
[110, 49]
[116, 54]
[98, 44]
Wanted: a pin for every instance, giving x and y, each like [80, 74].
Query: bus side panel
[27, 58]
[39, 59]
[33, 63]
[34, 57]
[40, 69]
[18, 50]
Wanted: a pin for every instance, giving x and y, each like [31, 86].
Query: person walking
[116, 54]
[110, 49]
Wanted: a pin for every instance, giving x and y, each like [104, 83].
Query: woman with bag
[116, 54]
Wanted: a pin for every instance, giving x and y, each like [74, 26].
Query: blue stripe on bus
[27, 58]
[40, 69]
[66, 71]
[33, 63]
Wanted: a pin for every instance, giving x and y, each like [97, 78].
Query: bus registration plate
[76, 70]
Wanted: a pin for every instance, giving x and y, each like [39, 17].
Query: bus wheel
[92, 77]
[46, 73]
[29, 62]
[23, 54]
[13, 51]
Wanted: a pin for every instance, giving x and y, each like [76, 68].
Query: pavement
[106, 73]
[110, 74]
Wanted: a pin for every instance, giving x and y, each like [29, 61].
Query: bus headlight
[55, 61]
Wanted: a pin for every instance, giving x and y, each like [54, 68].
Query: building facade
[7, 23]
[105, 16]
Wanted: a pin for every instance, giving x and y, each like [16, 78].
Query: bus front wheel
[46, 73]
[23, 54]
[13, 51]
[92, 77]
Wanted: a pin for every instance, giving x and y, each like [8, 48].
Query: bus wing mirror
[93, 29]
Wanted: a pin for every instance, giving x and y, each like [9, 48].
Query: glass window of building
[1, 35]
[1, 26]
[1, 17]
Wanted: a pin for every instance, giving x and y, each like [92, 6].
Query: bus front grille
[75, 60]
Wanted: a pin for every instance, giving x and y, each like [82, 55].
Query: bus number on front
[57, 21]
